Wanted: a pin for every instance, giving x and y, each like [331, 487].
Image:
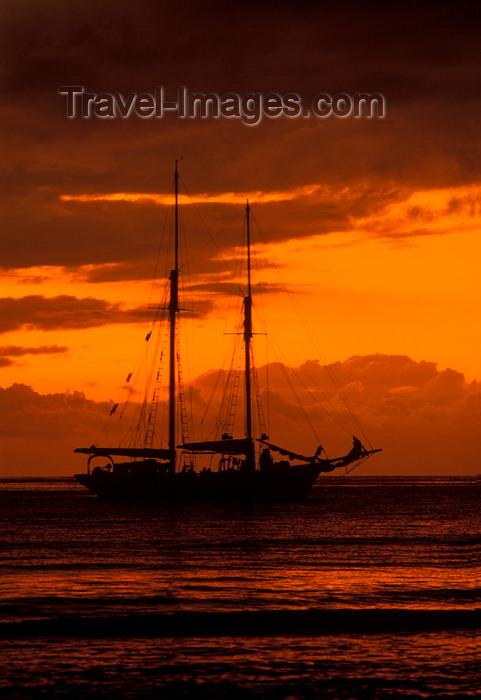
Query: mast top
[176, 215]
[248, 226]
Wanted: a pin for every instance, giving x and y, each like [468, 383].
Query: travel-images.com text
[250, 108]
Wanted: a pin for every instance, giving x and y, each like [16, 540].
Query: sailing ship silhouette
[246, 469]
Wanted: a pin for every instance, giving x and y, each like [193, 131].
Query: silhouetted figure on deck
[265, 460]
[357, 451]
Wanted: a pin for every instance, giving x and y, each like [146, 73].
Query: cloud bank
[425, 61]
[426, 420]
[63, 312]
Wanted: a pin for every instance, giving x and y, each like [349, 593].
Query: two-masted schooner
[246, 469]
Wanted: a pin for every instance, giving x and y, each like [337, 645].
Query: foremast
[166, 455]
[250, 455]
[173, 311]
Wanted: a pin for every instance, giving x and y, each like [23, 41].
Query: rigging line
[237, 325]
[300, 404]
[145, 410]
[353, 416]
[127, 391]
[260, 314]
[332, 414]
[164, 236]
[228, 407]
[329, 372]
[230, 411]
[181, 398]
[260, 408]
[191, 411]
[220, 286]
[211, 397]
[336, 384]
[211, 236]
[137, 418]
[232, 352]
[333, 411]
[191, 307]
[268, 390]
[220, 375]
[350, 469]
[152, 396]
[255, 258]
[195, 207]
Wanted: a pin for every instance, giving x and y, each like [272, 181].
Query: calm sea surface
[371, 589]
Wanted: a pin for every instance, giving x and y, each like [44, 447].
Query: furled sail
[288, 453]
[229, 446]
[357, 453]
[124, 452]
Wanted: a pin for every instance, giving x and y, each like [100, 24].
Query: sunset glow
[240, 349]
[365, 230]
[222, 198]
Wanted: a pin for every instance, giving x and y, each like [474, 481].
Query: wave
[62, 601]
[263, 623]
[258, 542]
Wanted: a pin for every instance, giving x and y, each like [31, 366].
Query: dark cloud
[63, 312]
[425, 419]
[8, 352]
[120, 240]
[40, 431]
[69, 313]
[413, 410]
[112, 272]
[400, 47]
[425, 60]
[229, 289]
[49, 232]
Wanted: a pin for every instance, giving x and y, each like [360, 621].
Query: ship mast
[173, 310]
[250, 457]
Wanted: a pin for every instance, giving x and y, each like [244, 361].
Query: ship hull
[291, 483]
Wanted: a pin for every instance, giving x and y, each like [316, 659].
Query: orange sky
[360, 290]
[373, 224]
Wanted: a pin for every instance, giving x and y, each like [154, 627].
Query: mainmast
[173, 310]
[250, 457]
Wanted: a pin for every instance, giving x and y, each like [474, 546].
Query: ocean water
[371, 589]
